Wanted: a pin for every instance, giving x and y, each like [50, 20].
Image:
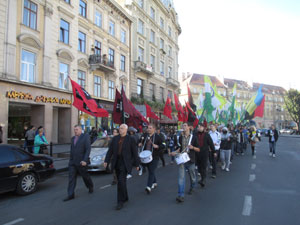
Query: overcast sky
[252, 40]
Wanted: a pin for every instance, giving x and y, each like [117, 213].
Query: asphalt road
[261, 190]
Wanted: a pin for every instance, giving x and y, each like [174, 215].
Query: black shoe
[91, 190]
[190, 192]
[180, 199]
[148, 190]
[202, 183]
[69, 198]
[119, 206]
[113, 182]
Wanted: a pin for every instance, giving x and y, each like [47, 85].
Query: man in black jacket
[153, 143]
[79, 158]
[122, 154]
[273, 138]
[205, 143]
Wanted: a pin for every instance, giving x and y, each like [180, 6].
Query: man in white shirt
[216, 137]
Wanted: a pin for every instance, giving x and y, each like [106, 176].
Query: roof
[198, 79]
[240, 84]
[268, 89]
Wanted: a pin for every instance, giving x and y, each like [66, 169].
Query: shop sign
[41, 98]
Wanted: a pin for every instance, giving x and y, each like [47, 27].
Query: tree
[292, 103]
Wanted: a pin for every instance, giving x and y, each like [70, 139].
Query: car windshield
[101, 142]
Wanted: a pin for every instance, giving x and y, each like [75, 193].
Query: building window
[98, 19]
[30, 14]
[170, 51]
[140, 87]
[82, 8]
[111, 57]
[152, 92]
[162, 68]
[67, 1]
[162, 23]
[97, 86]
[81, 78]
[162, 43]
[28, 66]
[169, 71]
[152, 62]
[97, 47]
[122, 66]
[141, 3]
[170, 31]
[123, 36]
[64, 31]
[152, 13]
[170, 94]
[141, 27]
[111, 90]
[141, 54]
[63, 76]
[111, 28]
[152, 36]
[161, 89]
[81, 41]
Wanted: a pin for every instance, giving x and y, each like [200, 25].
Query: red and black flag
[84, 102]
[168, 109]
[150, 113]
[191, 101]
[179, 109]
[192, 117]
[118, 109]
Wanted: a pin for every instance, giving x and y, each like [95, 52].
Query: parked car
[285, 131]
[264, 131]
[21, 171]
[98, 153]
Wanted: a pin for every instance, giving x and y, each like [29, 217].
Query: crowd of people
[35, 140]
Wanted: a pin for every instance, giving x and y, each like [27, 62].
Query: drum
[182, 158]
[146, 156]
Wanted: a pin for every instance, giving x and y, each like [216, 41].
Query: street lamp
[273, 98]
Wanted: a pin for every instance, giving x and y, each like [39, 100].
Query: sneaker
[213, 176]
[180, 199]
[223, 166]
[210, 167]
[270, 154]
[129, 176]
[199, 174]
[141, 172]
[148, 190]
[274, 156]
[154, 185]
[227, 170]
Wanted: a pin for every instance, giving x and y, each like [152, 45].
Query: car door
[8, 179]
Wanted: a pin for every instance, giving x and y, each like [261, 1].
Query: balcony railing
[143, 67]
[98, 62]
[172, 82]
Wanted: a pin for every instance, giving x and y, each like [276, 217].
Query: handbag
[43, 149]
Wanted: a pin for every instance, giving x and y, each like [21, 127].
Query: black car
[20, 171]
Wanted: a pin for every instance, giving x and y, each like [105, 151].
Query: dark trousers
[151, 172]
[202, 159]
[240, 147]
[73, 171]
[30, 144]
[212, 160]
[253, 149]
[161, 156]
[121, 173]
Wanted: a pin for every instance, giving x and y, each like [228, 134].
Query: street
[261, 190]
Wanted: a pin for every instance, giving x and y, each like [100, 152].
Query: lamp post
[273, 98]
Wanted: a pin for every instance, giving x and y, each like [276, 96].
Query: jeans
[151, 175]
[225, 157]
[181, 178]
[240, 147]
[212, 161]
[272, 147]
[172, 149]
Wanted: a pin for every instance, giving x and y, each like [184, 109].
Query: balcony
[172, 82]
[143, 67]
[98, 62]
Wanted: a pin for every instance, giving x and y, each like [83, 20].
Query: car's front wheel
[27, 184]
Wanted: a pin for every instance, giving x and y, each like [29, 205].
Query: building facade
[43, 43]
[154, 48]
[274, 110]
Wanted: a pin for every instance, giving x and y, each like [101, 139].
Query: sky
[251, 40]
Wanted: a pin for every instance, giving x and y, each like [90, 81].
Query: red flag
[259, 111]
[168, 109]
[191, 101]
[84, 102]
[117, 114]
[150, 113]
[192, 118]
[179, 109]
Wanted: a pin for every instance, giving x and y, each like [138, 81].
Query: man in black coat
[273, 138]
[122, 154]
[79, 159]
[205, 143]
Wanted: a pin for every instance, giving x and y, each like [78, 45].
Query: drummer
[187, 143]
[153, 143]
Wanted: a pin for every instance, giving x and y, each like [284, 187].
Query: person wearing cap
[225, 148]
[206, 144]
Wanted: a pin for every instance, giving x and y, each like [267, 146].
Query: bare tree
[292, 103]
